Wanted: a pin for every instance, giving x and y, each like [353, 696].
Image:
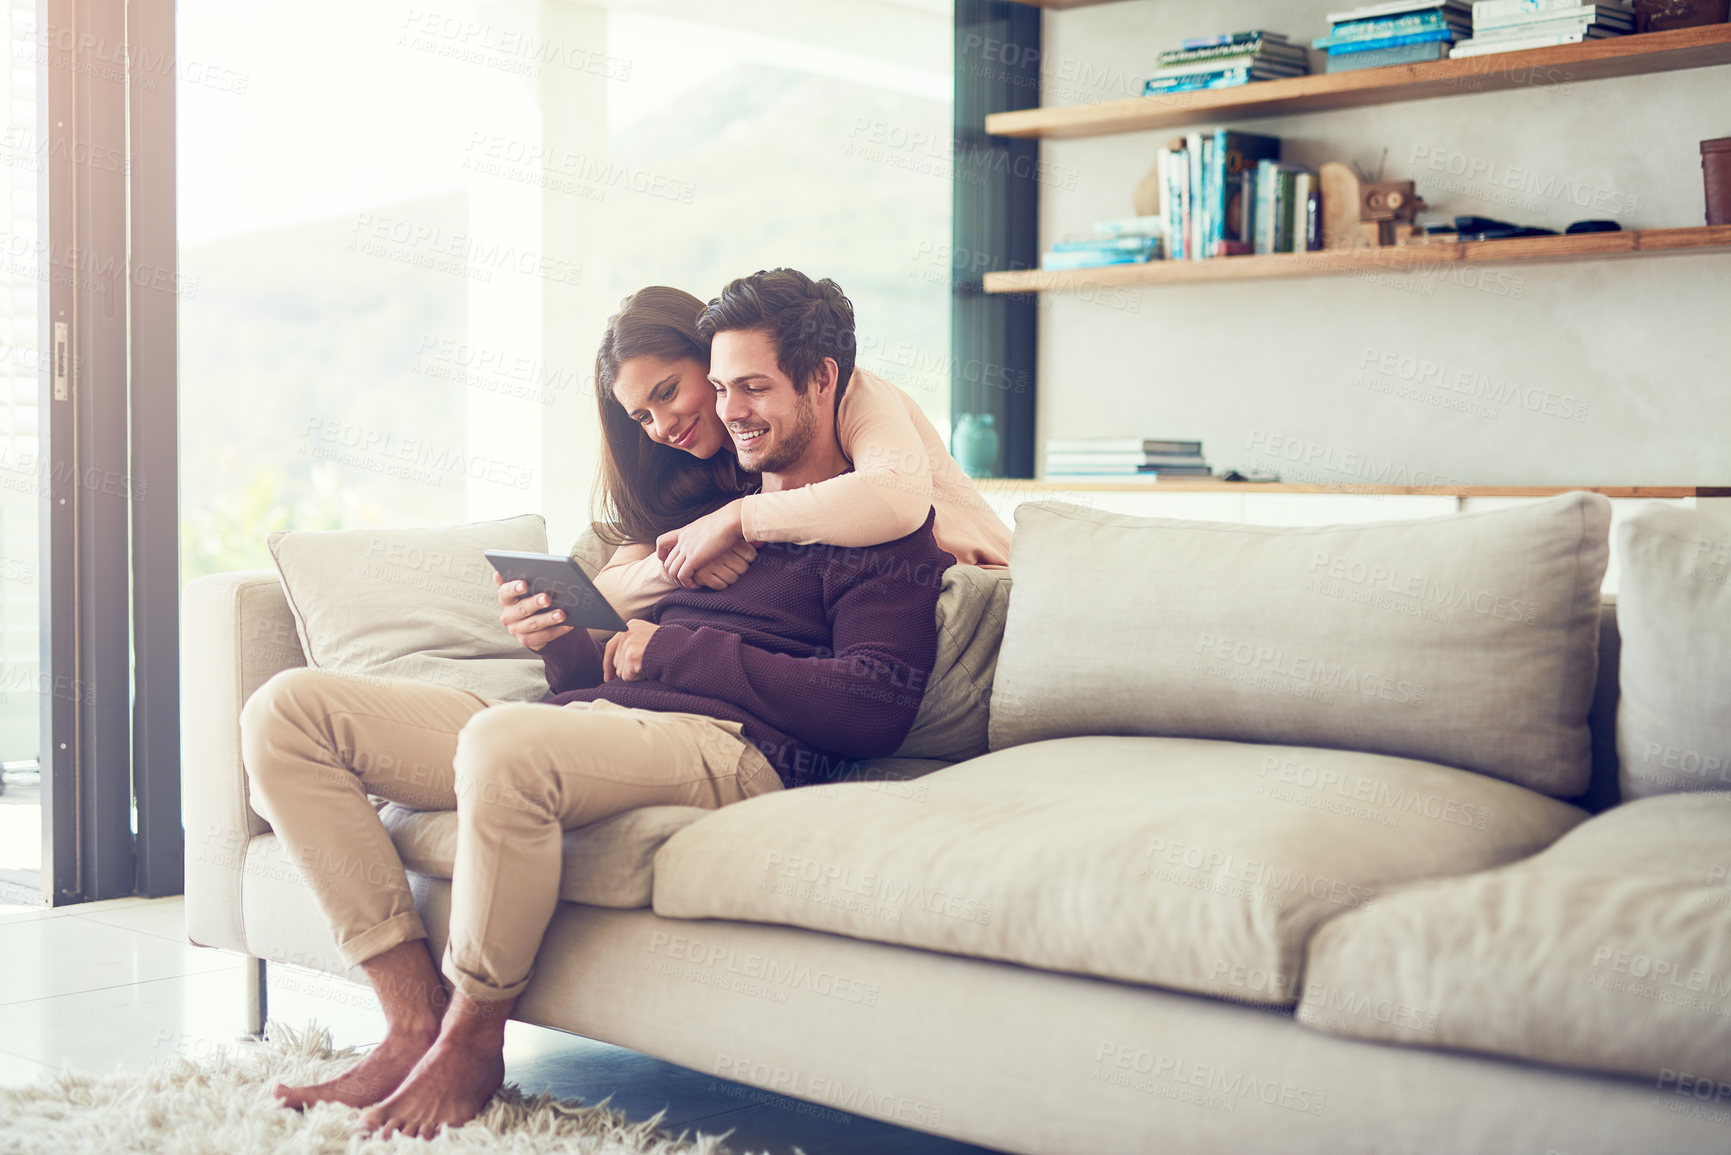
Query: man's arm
[573, 662]
[860, 701]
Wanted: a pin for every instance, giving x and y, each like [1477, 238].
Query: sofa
[1209, 838]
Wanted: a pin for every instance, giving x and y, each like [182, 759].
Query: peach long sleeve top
[901, 469]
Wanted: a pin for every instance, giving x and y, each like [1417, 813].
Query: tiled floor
[115, 983]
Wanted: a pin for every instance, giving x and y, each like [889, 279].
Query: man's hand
[710, 552]
[528, 618]
[624, 657]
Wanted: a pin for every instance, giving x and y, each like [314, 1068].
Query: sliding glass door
[89, 728]
[21, 360]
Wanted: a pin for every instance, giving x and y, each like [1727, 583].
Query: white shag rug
[224, 1106]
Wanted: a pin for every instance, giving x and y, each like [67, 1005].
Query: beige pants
[317, 743]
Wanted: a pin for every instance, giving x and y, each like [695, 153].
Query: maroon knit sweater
[821, 653]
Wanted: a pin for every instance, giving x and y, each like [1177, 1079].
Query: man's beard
[788, 450]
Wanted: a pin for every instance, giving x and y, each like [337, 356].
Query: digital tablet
[567, 587]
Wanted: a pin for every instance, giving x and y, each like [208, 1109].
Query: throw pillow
[1674, 613]
[411, 603]
[1470, 640]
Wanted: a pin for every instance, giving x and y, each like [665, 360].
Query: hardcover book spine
[1391, 42]
[1387, 26]
[1485, 12]
[1193, 202]
[1265, 189]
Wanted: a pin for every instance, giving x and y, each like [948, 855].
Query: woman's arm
[886, 497]
[888, 494]
[632, 581]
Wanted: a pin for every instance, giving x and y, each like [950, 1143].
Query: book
[1390, 26]
[1272, 49]
[1302, 184]
[1283, 195]
[1382, 57]
[1485, 46]
[1230, 63]
[1125, 461]
[1121, 445]
[1201, 469]
[1086, 259]
[1276, 220]
[1234, 160]
[1152, 226]
[1349, 47]
[1397, 8]
[1223, 78]
[1543, 22]
[1166, 163]
[1312, 217]
[1194, 203]
[1495, 13]
[1262, 230]
[1229, 38]
[1134, 244]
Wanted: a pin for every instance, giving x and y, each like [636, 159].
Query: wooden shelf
[1387, 259]
[1015, 485]
[1564, 64]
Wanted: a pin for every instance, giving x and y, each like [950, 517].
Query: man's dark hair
[807, 320]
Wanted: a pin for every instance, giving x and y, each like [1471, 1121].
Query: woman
[673, 497]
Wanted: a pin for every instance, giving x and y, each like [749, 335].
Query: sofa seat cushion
[1609, 951]
[1192, 864]
[607, 863]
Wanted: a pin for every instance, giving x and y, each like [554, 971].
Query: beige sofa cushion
[1197, 865]
[606, 863]
[954, 712]
[1609, 951]
[411, 603]
[1674, 611]
[1470, 640]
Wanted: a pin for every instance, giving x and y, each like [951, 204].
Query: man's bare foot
[371, 1079]
[446, 1089]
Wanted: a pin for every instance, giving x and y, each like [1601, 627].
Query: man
[800, 664]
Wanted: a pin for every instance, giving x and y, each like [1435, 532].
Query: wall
[1283, 374]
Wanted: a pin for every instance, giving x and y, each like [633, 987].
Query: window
[403, 229]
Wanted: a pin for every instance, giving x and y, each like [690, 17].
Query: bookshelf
[1203, 485]
[1634, 55]
[1062, 4]
[1371, 261]
[1622, 56]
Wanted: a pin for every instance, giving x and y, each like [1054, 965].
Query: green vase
[975, 444]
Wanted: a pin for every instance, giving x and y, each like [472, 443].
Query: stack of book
[1286, 214]
[1226, 61]
[1209, 190]
[1513, 25]
[1122, 459]
[1402, 32]
[1125, 241]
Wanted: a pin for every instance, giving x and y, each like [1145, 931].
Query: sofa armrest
[236, 631]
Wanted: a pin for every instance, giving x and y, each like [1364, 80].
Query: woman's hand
[710, 552]
[623, 660]
[528, 618]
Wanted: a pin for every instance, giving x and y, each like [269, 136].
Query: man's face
[772, 426]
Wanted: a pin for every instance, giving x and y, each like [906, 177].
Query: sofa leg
[256, 1011]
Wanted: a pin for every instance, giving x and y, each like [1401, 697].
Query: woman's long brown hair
[647, 488]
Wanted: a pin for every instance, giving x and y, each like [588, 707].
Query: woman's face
[674, 403]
